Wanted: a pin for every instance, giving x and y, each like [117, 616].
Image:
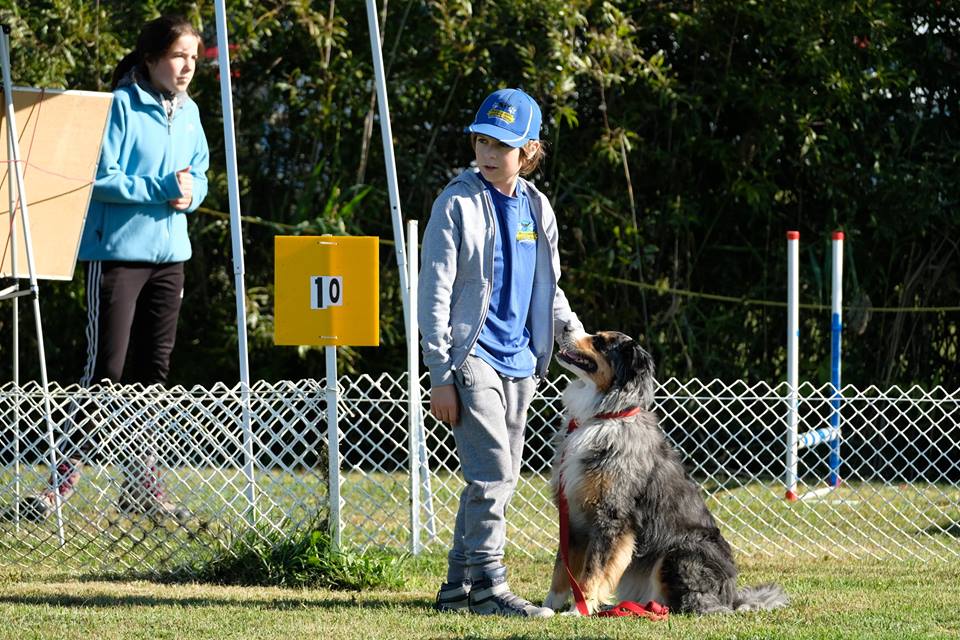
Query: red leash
[652, 610]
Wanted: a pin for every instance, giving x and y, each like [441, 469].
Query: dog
[639, 528]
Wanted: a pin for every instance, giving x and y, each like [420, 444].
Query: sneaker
[35, 508]
[40, 506]
[492, 596]
[453, 597]
[146, 495]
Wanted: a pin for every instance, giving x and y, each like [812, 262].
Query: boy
[489, 311]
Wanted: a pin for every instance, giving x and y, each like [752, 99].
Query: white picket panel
[899, 496]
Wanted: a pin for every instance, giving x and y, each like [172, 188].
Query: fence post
[333, 446]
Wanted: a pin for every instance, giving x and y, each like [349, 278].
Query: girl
[153, 162]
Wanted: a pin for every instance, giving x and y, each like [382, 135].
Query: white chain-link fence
[183, 452]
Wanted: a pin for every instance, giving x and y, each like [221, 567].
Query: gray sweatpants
[489, 438]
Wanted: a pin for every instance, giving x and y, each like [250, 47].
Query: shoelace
[513, 601]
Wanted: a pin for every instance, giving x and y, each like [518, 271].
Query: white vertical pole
[793, 335]
[233, 192]
[31, 268]
[425, 466]
[413, 344]
[386, 134]
[333, 446]
[16, 333]
[836, 331]
[413, 393]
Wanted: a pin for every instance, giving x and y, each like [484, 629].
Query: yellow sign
[326, 290]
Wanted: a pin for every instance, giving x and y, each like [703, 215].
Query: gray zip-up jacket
[456, 277]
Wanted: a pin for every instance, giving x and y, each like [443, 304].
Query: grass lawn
[830, 599]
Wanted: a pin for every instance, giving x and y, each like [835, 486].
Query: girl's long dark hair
[155, 38]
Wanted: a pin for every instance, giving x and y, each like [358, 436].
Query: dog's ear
[632, 364]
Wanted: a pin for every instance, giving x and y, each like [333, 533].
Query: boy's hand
[445, 404]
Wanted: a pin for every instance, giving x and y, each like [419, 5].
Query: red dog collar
[574, 425]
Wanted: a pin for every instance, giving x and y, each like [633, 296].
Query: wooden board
[59, 134]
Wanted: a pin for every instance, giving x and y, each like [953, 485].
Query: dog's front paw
[592, 607]
[555, 600]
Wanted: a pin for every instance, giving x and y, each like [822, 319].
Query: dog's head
[614, 363]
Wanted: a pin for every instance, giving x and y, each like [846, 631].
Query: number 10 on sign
[326, 291]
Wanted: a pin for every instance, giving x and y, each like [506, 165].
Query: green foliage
[684, 140]
[308, 559]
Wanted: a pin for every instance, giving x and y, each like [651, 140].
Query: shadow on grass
[272, 602]
[531, 636]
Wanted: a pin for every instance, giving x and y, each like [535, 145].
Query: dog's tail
[761, 597]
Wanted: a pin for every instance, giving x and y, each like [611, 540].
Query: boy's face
[498, 163]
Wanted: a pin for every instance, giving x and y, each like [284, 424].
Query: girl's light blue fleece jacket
[130, 218]
[456, 275]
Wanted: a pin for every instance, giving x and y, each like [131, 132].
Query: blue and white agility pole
[836, 331]
[830, 434]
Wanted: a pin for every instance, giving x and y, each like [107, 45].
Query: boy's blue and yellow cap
[508, 115]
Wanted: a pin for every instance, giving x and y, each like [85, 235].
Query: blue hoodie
[130, 218]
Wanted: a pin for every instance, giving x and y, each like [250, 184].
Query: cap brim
[503, 135]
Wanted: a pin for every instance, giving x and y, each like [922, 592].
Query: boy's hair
[529, 162]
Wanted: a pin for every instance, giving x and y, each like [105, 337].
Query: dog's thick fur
[639, 527]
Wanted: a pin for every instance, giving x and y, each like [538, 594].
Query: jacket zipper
[169, 220]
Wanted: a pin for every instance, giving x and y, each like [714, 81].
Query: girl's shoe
[145, 494]
[38, 507]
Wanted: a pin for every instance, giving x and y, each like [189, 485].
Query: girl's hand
[185, 180]
[445, 404]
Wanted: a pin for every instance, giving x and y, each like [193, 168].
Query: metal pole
[31, 268]
[413, 393]
[16, 336]
[793, 335]
[387, 135]
[233, 191]
[333, 446]
[836, 330]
